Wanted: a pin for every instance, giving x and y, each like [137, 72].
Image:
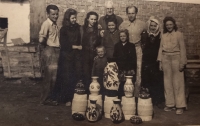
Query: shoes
[179, 111]
[68, 104]
[167, 109]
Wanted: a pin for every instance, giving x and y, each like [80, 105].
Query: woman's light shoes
[68, 104]
[179, 111]
[167, 109]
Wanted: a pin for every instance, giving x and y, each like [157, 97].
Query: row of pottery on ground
[94, 107]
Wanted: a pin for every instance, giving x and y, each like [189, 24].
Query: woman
[70, 59]
[90, 40]
[110, 37]
[152, 77]
[125, 55]
[172, 57]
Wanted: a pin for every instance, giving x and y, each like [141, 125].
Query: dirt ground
[19, 106]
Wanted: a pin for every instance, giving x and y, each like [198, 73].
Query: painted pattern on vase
[116, 114]
[92, 112]
[94, 86]
[110, 79]
[128, 87]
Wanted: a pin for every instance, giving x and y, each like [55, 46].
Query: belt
[170, 53]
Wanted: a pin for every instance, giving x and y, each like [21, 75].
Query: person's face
[73, 19]
[153, 26]
[100, 52]
[170, 26]
[109, 11]
[131, 14]
[92, 20]
[123, 37]
[53, 15]
[111, 26]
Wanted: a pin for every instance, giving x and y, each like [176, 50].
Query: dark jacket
[70, 35]
[125, 56]
[150, 47]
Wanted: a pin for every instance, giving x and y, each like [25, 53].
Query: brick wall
[186, 15]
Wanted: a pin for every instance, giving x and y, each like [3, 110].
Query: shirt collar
[51, 22]
[124, 44]
[172, 33]
[134, 22]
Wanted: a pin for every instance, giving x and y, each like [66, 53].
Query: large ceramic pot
[94, 86]
[116, 114]
[92, 112]
[110, 79]
[128, 87]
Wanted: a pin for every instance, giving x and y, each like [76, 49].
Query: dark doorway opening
[3, 23]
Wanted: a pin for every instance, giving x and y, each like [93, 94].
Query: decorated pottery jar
[80, 89]
[78, 116]
[94, 86]
[92, 112]
[144, 93]
[116, 114]
[110, 79]
[128, 87]
[136, 120]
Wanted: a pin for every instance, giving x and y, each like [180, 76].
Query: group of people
[155, 59]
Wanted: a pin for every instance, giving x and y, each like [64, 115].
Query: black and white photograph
[99, 62]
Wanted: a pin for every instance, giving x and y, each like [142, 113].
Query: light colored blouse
[173, 44]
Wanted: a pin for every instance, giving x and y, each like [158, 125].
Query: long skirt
[69, 73]
[152, 78]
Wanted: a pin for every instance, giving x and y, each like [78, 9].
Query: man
[135, 28]
[49, 36]
[109, 14]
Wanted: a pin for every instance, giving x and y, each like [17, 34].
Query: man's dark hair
[53, 7]
[136, 9]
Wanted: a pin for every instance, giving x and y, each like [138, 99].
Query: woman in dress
[90, 40]
[172, 57]
[152, 77]
[70, 56]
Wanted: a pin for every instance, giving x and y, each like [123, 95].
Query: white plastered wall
[18, 20]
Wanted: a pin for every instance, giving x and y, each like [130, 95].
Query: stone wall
[186, 15]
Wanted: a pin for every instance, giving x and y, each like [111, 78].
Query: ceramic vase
[110, 79]
[116, 114]
[128, 87]
[94, 86]
[80, 88]
[92, 112]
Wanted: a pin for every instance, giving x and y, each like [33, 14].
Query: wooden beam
[37, 16]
